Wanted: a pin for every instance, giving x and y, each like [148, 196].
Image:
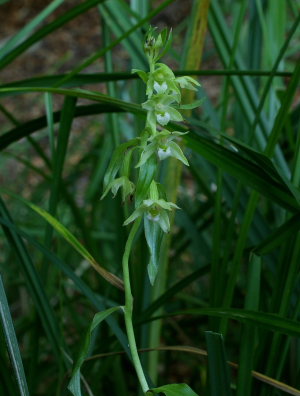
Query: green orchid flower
[188, 82]
[163, 145]
[161, 109]
[155, 210]
[162, 81]
[123, 182]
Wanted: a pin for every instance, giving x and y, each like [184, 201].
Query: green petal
[164, 222]
[177, 153]
[166, 205]
[146, 154]
[149, 105]
[175, 115]
[142, 74]
[137, 213]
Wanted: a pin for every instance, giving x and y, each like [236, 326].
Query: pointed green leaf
[153, 234]
[174, 390]
[177, 153]
[142, 74]
[74, 384]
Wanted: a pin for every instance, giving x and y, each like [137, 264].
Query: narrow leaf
[72, 240]
[12, 342]
[219, 384]
[74, 384]
[153, 234]
[174, 390]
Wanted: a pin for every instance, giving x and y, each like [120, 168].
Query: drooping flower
[188, 82]
[121, 182]
[155, 210]
[162, 143]
[160, 107]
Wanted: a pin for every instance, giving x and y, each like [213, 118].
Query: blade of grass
[248, 336]
[271, 322]
[218, 372]
[34, 285]
[72, 240]
[29, 27]
[12, 342]
[58, 164]
[91, 78]
[45, 30]
[99, 302]
[74, 384]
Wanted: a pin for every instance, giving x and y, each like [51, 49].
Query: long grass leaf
[49, 28]
[74, 384]
[34, 285]
[12, 342]
[99, 302]
[218, 371]
[29, 27]
[72, 240]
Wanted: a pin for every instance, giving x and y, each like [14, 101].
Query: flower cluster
[155, 143]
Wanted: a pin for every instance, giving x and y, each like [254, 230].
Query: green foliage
[220, 275]
[74, 384]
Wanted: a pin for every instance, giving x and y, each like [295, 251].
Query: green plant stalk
[192, 60]
[128, 308]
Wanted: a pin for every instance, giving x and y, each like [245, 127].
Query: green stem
[129, 308]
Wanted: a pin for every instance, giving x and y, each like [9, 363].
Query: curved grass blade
[34, 284]
[72, 240]
[58, 164]
[74, 384]
[81, 93]
[99, 302]
[271, 322]
[248, 335]
[12, 342]
[92, 78]
[25, 31]
[244, 170]
[118, 17]
[219, 383]
[47, 29]
[27, 128]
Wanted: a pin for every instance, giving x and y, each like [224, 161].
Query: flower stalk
[155, 144]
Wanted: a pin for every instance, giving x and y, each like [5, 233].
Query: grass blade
[12, 342]
[74, 384]
[73, 241]
[45, 30]
[219, 383]
[25, 31]
[34, 285]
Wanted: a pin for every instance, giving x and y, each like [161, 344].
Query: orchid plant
[156, 143]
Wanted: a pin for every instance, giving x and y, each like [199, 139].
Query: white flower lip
[163, 119]
[160, 88]
[163, 154]
[153, 218]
